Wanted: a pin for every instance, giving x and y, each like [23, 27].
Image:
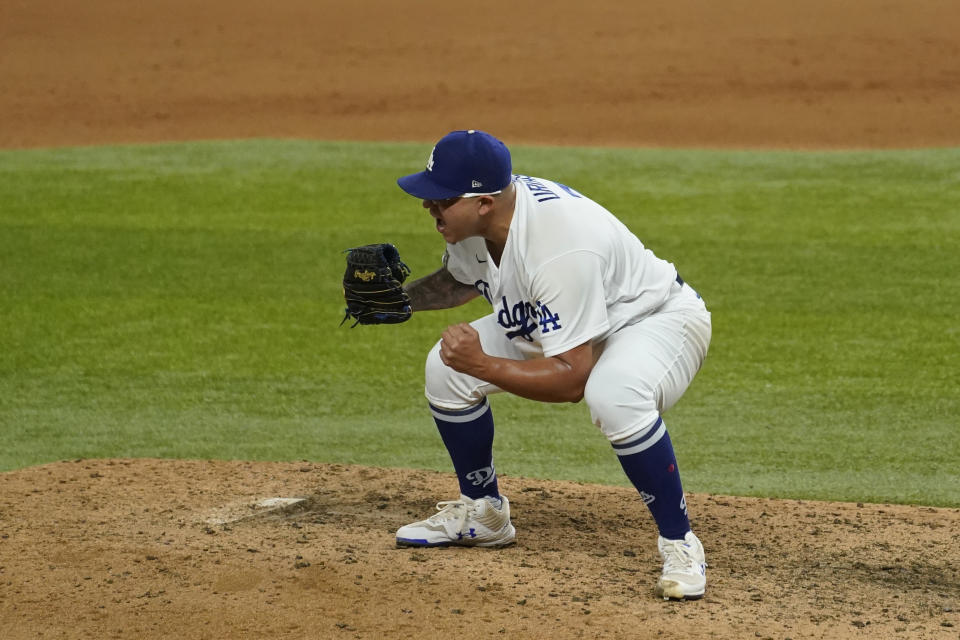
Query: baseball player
[581, 310]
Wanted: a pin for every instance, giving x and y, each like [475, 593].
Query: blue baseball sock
[650, 464]
[468, 436]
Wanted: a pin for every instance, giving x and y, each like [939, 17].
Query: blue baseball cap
[462, 162]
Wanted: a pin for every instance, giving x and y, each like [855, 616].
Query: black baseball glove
[372, 285]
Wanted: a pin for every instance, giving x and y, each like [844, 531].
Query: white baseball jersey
[571, 272]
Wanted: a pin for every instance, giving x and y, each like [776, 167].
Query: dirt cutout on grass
[692, 73]
[159, 549]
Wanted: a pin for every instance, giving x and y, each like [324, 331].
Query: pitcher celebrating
[581, 310]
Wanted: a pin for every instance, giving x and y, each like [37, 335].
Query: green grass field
[184, 300]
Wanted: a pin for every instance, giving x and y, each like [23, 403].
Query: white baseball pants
[642, 369]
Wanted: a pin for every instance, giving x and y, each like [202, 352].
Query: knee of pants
[445, 387]
[619, 410]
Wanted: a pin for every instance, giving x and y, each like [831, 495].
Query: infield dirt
[160, 549]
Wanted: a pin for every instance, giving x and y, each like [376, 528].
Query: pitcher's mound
[192, 549]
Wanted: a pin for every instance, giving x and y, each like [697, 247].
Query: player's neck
[495, 252]
[498, 225]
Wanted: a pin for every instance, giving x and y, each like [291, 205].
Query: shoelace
[450, 509]
[678, 559]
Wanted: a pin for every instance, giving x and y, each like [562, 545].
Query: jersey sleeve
[570, 300]
[460, 262]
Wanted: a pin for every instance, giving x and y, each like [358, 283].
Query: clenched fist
[460, 349]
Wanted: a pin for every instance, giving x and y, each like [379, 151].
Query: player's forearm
[543, 379]
[439, 290]
[559, 378]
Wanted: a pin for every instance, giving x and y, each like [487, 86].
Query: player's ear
[486, 204]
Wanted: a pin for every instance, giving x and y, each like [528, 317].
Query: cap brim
[420, 185]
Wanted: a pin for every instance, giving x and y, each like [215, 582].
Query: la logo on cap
[430, 160]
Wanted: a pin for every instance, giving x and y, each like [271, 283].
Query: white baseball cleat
[684, 569]
[465, 522]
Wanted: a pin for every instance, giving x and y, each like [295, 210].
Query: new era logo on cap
[461, 162]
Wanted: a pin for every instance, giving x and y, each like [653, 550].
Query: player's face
[456, 218]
